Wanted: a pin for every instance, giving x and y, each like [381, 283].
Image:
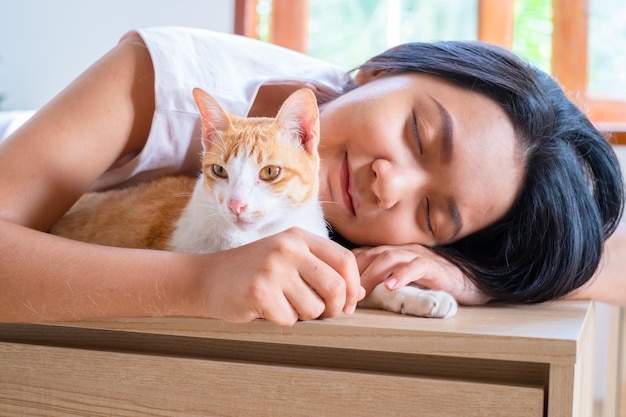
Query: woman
[456, 146]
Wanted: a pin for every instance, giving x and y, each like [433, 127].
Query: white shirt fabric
[229, 67]
[11, 120]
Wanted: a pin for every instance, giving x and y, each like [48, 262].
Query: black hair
[550, 242]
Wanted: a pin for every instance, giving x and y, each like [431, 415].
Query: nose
[237, 206]
[391, 183]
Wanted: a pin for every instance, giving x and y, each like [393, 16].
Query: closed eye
[416, 134]
[429, 226]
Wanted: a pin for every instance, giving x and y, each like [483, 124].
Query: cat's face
[260, 169]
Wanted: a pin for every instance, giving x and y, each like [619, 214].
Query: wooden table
[486, 361]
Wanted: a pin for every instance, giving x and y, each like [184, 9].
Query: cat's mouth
[347, 186]
[244, 223]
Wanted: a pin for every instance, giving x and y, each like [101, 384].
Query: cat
[259, 176]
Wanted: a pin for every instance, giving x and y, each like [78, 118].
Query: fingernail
[391, 283]
[362, 293]
[350, 309]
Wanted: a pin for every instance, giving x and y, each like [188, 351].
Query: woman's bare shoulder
[64, 147]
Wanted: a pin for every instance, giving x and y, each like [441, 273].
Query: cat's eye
[219, 171]
[269, 172]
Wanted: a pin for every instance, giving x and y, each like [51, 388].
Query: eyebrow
[453, 209]
[447, 132]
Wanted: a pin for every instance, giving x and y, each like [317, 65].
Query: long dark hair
[550, 243]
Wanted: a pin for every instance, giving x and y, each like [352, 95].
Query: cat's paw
[442, 304]
[413, 301]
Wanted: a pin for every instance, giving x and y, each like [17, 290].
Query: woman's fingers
[289, 276]
[400, 265]
[386, 263]
[333, 273]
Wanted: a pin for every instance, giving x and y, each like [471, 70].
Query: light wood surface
[486, 361]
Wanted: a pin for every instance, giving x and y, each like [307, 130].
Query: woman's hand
[289, 276]
[397, 266]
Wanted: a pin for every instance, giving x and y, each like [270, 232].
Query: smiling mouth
[347, 186]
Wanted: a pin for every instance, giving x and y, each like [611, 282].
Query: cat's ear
[214, 118]
[300, 116]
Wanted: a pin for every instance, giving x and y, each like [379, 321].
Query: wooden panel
[606, 111]
[584, 371]
[561, 387]
[615, 363]
[273, 352]
[570, 392]
[536, 333]
[290, 23]
[616, 134]
[495, 22]
[569, 44]
[526, 360]
[608, 116]
[246, 18]
[65, 382]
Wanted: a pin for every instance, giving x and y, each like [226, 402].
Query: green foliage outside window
[347, 32]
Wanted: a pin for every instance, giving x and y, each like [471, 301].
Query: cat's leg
[412, 300]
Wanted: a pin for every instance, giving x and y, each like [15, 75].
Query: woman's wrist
[181, 289]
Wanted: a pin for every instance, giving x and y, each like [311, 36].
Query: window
[581, 42]
[370, 27]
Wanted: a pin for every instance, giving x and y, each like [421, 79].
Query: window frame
[570, 55]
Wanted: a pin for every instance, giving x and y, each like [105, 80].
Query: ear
[363, 77]
[300, 116]
[214, 118]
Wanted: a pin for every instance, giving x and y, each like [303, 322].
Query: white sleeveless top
[229, 67]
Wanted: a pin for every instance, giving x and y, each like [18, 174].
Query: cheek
[382, 232]
[397, 227]
[211, 188]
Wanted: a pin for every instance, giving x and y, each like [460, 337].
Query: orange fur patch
[137, 217]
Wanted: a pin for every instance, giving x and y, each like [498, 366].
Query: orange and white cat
[259, 176]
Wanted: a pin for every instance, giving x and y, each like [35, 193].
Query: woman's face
[412, 158]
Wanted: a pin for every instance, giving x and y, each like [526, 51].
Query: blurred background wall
[45, 44]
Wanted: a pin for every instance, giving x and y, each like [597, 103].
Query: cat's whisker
[216, 154]
[220, 142]
[181, 195]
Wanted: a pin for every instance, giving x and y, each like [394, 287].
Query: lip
[347, 186]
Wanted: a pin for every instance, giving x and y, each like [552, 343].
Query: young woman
[469, 167]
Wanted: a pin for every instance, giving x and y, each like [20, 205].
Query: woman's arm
[48, 163]
[55, 157]
[283, 278]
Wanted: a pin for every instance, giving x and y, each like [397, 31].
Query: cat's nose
[237, 206]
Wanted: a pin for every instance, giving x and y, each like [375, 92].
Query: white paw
[413, 301]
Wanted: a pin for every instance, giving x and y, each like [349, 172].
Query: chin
[246, 225]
